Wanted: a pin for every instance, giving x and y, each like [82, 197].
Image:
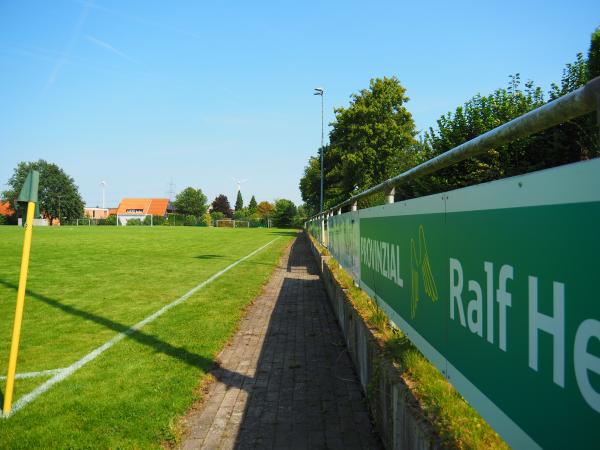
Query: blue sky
[138, 93]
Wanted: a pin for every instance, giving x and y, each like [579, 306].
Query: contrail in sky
[141, 20]
[109, 47]
[69, 47]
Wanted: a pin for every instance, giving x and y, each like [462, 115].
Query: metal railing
[577, 103]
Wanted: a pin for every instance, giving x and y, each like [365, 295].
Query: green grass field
[88, 284]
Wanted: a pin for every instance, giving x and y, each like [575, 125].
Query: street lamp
[321, 92]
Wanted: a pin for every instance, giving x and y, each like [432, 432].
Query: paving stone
[285, 381]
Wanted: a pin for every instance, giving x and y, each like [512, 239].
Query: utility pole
[171, 190]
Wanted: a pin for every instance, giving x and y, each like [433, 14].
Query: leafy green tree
[191, 202]
[302, 214]
[284, 214]
[252, 206]
[221, 204]
[370, 138]
[265, 210]
[239, 201]
[58, 195]
[568, 142]
[241, 214]
[576, 139]
[310, 183]
[478, 115]
[593, 62]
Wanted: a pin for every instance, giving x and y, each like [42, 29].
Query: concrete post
[322, 218]
[354, 206]
[389, 195]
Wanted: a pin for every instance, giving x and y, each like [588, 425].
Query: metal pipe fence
[584, 100]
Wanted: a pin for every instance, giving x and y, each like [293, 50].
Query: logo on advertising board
[420, 268]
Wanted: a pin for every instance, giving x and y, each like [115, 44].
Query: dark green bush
[217, 215]
[110, 220]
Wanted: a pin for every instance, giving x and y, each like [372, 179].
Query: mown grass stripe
[64, 373]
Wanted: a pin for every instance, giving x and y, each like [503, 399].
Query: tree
[239, 201]
[221, 204]
[284, 214]
[310, 184]
[575, 140]
[370, 138]
[302, 215]
[241, 214]
[190, 202]
[58, 195]
[265, 210]
[479, 114]
[252, 206]
[593, 61]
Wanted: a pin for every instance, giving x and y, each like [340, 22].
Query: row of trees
[193, 202]
[283, 213]
[59, 197]
[375, 138]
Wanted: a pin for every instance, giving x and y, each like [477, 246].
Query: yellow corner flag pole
[31, 185]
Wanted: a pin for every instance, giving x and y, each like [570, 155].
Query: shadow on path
[298, 386]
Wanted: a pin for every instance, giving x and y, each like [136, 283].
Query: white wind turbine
[238, 184]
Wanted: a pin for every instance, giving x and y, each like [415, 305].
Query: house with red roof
[139, 208]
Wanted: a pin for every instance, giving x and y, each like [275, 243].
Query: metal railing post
[354, 206]
[389, 195]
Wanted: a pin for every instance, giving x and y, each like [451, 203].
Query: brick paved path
[286, 380]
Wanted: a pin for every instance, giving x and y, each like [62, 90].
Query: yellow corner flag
[29, 195]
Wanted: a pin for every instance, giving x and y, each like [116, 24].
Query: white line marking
[26, 399]
[41, 373]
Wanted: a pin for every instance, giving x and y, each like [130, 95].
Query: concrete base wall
[398, 418]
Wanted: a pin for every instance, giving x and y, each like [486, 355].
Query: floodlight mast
[103, 184]
[320, 91]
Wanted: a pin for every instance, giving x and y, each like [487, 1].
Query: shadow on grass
[229, 259]
[290, 233]
[209, 257]
[180, 353]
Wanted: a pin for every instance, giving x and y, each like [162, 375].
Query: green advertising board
[496, 285]
[344, 239]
